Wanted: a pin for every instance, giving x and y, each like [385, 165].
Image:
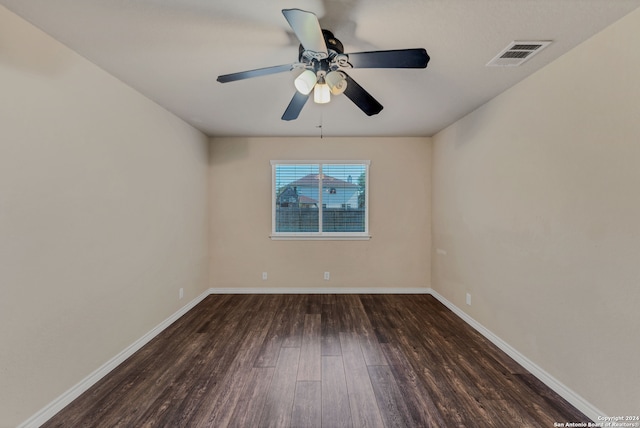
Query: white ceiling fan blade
[307, 28]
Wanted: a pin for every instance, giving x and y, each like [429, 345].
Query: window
[320, 200]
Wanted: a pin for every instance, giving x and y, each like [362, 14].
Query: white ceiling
[173, 50]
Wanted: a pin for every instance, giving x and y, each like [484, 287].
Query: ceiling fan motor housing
[334, 48]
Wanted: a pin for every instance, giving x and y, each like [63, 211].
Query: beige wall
[397, 256]
[536, 202]
[103, 217]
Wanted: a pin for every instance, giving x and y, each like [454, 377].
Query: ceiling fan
[323, 62]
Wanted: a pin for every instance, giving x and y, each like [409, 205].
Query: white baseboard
[75, 391]
[320, 290]
[562, 390]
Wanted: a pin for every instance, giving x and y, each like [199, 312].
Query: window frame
[342, 236]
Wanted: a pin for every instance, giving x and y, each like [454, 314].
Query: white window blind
[320, 199]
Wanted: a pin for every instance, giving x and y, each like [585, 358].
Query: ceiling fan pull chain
[320, 126]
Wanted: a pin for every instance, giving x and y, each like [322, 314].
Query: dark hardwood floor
[318, 360]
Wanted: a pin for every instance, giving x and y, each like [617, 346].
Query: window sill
[286, 237]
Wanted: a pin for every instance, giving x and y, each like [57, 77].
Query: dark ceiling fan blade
[255, 73]
[295, 106]
[361, 98]
[307, 28]
[401, 58]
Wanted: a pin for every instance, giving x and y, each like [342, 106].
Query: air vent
[517, 53]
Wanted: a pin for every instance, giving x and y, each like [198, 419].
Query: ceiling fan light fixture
[337, 82]
[321, 57]
[305, 82]
[321, 93]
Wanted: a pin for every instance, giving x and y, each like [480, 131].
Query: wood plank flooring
[318, 361]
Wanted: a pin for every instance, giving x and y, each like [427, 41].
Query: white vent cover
[517, 53]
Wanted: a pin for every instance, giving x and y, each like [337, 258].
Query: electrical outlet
[264, 276]
[468, 299]
[181, 293]
[327, 275]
